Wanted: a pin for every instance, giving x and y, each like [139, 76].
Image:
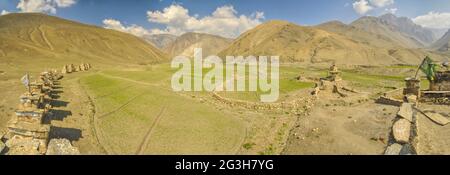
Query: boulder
[61, 147]
[406, 112]
[393, 149]
[402, 131]
[438, 118]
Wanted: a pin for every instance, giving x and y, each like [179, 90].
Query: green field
[127, 111]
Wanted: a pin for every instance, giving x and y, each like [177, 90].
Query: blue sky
[303, 12]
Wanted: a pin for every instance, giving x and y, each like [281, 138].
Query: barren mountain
[438, 33]
[408, 27]
[186, 43]
[160, 40]
[30, 38]
[443, 44]
[358, 34]
[295, 43]
[383, 28]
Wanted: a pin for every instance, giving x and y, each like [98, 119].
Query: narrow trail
[146, 139]
[45, 38]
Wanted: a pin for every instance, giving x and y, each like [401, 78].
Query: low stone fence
[295, 106]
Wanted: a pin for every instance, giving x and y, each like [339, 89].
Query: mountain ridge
[310, 44]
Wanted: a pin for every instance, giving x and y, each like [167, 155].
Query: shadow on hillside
[54, 94]
[70, 134]
[59, 103]
[58, 115]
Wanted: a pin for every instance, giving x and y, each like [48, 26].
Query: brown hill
[30, 38]
[186, 43]
[295, 43]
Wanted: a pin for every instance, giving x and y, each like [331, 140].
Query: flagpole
[418, 69]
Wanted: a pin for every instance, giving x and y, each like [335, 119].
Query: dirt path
[143, 145]
[44, 37]
[433, 139]
[74, 116]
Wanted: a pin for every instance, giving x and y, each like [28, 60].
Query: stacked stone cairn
[332, 82]
[27, 133]
[71, 68]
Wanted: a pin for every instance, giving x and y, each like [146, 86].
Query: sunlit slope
[30, 37]
[344, 45]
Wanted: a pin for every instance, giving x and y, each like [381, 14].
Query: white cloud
[434, 20]
[43, 6]
[391, 10]
[65, 3]
[362, 7]
[4, 12]
[224, 21]
[381, 3]
[133, 29]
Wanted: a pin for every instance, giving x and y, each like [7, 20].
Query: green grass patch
[186, 126]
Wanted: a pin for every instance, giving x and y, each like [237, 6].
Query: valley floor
[134, 111]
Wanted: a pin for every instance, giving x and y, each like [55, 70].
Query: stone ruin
[442, 81]
[27, 134]
[438, 92]
[67, 69]
[333, 82]
[404, 129]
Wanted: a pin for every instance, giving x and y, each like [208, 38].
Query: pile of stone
[27, 133]
[332, 83]
[71, 68]
[61, 147]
